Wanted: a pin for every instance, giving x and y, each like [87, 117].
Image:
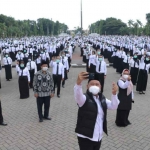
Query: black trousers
[100, 78]
[1, 116]
[46, 102]
[86, 144]
[57, 81]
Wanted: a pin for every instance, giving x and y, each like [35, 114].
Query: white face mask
[44, 68]
[125, 76]
[94, 90]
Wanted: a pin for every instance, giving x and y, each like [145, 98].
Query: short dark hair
[43, 63]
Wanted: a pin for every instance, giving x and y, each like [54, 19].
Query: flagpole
[81, 18]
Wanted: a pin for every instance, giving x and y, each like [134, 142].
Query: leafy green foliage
[9, 27]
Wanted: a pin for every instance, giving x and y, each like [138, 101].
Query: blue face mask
[147, 59]
[100, 59]
[98, 53]
[57, 60]
[6, 55]
[135, 56]
[21, 65]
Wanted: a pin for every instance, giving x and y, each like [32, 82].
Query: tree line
[9, 27]
[113, 26]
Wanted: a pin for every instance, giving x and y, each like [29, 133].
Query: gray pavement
[24, 132]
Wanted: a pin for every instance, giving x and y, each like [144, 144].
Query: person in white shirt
[64, 61]
[31, 65]
[7, 61]
[38, 62]
[126, 61]
[19, 56]
[101, 70]
[92, 63]
[92, 112]
[143, 74]
[125, 96]
[24, 80]
[58, 73]
[134, 64]
[12, 52]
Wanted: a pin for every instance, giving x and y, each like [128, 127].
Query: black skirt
[23, 87]
[125, 66]
[8, 72]
[142, 80]
[12, 56]
[92, 68]
[122, 118]
[134, 74]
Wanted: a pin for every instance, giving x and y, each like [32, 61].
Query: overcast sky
[68, 11]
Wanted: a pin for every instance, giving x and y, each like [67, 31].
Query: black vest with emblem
[87, 115]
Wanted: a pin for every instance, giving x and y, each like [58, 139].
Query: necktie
[57, 69]
[127, 60]
[100, 66]
[63, 61]
[7, 61]
[134, 64]
[30, 65]
[22, 73]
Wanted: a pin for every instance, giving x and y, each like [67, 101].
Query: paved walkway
[24, 132]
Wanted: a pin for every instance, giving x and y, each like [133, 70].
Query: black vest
[87, 115]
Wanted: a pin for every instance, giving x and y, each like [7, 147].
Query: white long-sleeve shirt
[24, 72]
[32, 65]
[103, 68]
[80, 98]
[124, 85]
[60, 68]
[7, 61]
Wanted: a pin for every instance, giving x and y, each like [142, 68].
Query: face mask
[57, 60]
[147, 59]
[100, 59]
[135, 56]
[128, 55]
[44, 68]
[99, 53]
[41, 52]
[29, 59]
[21, 65]
[19, 52]
[125, 76]
[6, 55]
[94, 90]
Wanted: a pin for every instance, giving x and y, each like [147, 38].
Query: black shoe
[40, 120]
[140, 93]
[3, 124]
[129, 123]
[143, 93]
[47, 118]
[58, 96]
[8, 80]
